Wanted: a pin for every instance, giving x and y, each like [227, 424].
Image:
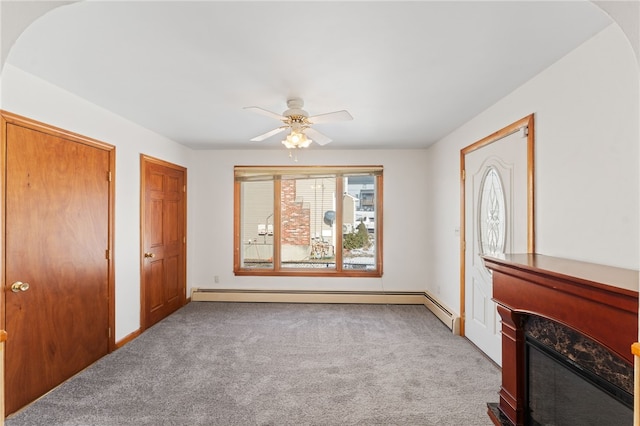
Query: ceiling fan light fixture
[296, 140]
[298, 122]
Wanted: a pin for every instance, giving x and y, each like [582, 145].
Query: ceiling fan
[299, 123]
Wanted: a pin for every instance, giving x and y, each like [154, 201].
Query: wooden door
[163, 254]
[57, 268]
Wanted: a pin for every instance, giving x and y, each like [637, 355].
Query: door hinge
[109, 332]
[464, 246]
[184, 188]
[107, 254]
[184, 240]
[109, 176]
[464, 175]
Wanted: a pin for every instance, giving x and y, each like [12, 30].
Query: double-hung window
[308, 221]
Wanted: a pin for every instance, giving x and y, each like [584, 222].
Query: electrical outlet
[216, 279]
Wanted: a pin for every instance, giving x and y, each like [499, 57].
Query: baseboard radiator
[445, 314]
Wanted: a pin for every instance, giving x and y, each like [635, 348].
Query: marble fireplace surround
[580, 350]
[535, 292]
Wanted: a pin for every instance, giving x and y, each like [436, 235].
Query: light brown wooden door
[57, 269]
[163, 239]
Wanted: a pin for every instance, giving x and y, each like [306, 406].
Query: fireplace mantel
[600, 302]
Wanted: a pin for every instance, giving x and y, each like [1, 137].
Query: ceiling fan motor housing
[295, 111]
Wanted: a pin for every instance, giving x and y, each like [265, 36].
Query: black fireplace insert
[572, 380]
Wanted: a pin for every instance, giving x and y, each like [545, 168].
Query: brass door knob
[149, 255]
[19, 286]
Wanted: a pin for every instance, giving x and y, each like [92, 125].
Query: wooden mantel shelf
[602, 276]
[560, 288]
[600, 302]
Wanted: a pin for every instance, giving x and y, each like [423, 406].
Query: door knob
[149, 255]
[19, 286]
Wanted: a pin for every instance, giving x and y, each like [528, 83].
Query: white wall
[210, 199]
[627, 15]
[34, 98]
[587, 140]
[211, 218]
[586, 108]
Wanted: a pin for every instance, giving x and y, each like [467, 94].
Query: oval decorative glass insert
[491, 214]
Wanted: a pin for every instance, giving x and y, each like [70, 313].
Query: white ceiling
[409, 72]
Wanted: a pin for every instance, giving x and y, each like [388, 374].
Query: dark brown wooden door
[57, 236]
[164, 238]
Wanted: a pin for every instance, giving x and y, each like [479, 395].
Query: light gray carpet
[281, 364]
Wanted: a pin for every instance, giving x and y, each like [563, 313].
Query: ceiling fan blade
[263, 111]
[331, 116]
[268, 134]
[316, 136]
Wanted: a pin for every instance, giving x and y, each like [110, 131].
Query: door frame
[525, 122]
[144, 160]
[10, 118]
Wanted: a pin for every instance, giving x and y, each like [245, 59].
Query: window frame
[275, 173]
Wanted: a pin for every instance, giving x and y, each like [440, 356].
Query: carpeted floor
[281, 364]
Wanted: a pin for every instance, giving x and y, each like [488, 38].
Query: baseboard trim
[275, 296]
[441, 311]
[128, 338]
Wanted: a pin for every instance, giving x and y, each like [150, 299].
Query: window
[308, 221]
[492, 214]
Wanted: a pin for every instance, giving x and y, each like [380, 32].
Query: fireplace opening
[560, 391]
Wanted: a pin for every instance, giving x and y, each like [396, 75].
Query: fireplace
[570, 379]
[567, 330]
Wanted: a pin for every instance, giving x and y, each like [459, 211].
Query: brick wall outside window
[296, 220]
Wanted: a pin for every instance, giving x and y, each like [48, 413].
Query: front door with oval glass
[495, 223]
